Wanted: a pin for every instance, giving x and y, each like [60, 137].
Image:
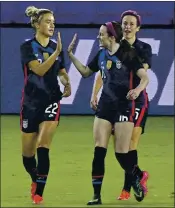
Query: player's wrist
[57, 52]
[94, 96]
[70, 54]
[139, 89]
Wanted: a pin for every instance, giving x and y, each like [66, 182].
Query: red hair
[132, 13]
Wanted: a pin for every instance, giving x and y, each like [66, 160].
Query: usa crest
[45, 55]
[108, 64]
[25, 123]
[118, 64]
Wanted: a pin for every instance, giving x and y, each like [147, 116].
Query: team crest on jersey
[108, 64]
[118, 64]
[45, 55]
[25, 123]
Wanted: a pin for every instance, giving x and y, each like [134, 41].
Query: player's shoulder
[100, 53]
[26, 43]
[101, 50]
[143, 44]
[52, 44]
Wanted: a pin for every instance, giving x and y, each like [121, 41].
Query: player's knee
[28, 152]
[45, 145]
[122, 149]
[133, 145]
[100, 144]
[100, 141]
[134, 141]
[122, 146]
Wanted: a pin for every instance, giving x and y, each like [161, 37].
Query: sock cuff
[28, 158]
[131, 151]
[120, 154]
[43, 150]
[100, 152]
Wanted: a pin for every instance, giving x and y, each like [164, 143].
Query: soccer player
[131, 23]
[118, 64]
[42, 61]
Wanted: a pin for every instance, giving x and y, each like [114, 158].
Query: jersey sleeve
[147, 56]
[93, 65]
[27, 54]
[62, 60]
[136, 64]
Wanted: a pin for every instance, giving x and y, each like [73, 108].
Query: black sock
[42, 169]
[98, 169]
[128, 177]
[127, 182]
[123, 160]
[137, 170]
[128, 165]
[30, 166]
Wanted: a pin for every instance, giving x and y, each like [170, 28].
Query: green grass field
[69, 182]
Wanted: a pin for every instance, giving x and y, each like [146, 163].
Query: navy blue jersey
[40, 89]
[144, 53]
[117, 72]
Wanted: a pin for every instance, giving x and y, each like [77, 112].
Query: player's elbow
[85, 75]
[40, 73]
[86, 72]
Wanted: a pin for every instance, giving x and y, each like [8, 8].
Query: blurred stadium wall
[85, 18]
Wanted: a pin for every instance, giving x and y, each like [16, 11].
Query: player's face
[129, 27]
[47, 25]
[103, 37]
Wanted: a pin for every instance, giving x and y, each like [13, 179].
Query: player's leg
[123, 133]
[125, 194]
[101, 131]
[46, 132]
[140, 122]
[29, 139]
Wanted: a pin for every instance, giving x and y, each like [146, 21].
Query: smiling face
[46, 25]
[103, 37]
[129, 27]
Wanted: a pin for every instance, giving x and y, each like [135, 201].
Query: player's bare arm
[144, 80]
[41, 68]
[64, 79]
[97, 86]
[85, 71]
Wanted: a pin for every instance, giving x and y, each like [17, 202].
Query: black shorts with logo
[115, 112]
[140, 116]
[31, 116]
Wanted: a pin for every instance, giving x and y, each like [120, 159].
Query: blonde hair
[35, 14]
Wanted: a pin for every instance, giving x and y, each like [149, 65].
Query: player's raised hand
[59, 43]
[72, 44]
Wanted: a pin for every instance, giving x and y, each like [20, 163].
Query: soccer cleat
[143, 182]
[33, 189]
[124, 195]
[95, 201]
[138, 190]
[37, 199]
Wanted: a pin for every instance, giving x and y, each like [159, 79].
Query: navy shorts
[31, 117]
[140, 116]
[115, 112]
